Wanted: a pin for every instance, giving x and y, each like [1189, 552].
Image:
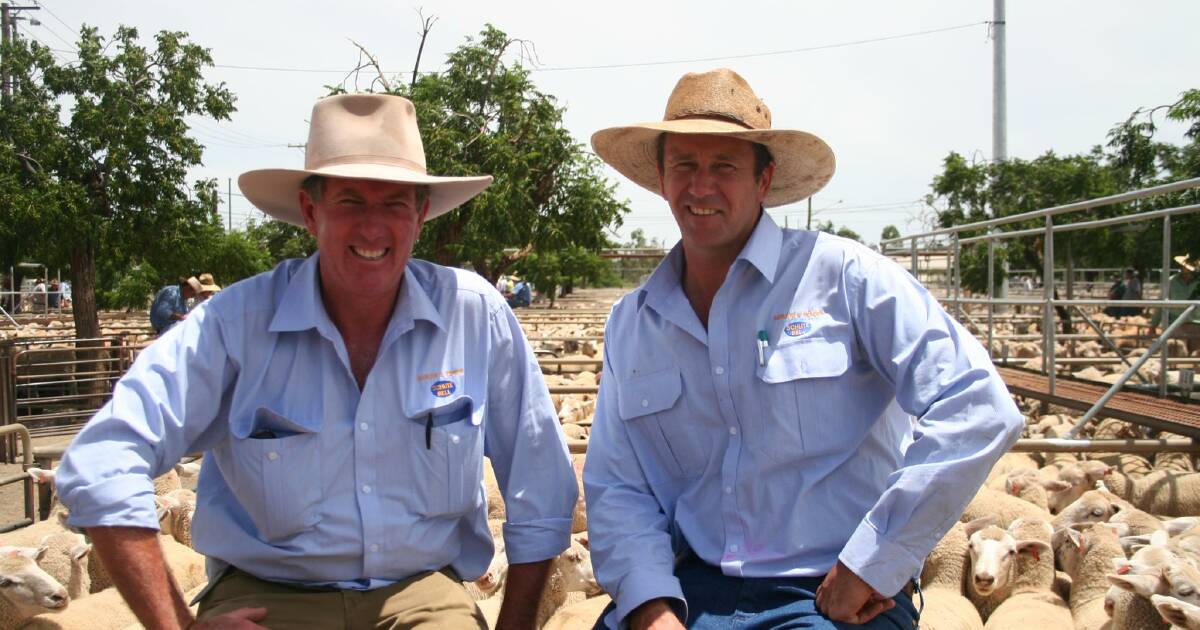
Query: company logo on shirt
[442, 389]
[797, 327]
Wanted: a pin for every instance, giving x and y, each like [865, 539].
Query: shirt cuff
[641, 586]
[881, 563]
[123, 501]
[534, 541]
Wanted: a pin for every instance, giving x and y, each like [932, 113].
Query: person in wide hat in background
[344, 404]
[752, 461]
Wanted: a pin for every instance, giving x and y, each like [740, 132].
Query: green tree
[889, 232]
[282, 240]
[483, 114]
[103, 148]
[828, 227]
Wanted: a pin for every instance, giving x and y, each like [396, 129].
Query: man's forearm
[134, 560]
[522, 592]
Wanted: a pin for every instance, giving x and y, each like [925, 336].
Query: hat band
[370, 159]
[717, 116]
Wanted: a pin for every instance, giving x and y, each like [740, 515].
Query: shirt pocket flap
[447, 411]
[270, 424]
[811, 358]
[644, 394]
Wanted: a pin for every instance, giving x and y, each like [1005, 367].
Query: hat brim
[1186, 262]
[276, 191]
[803, 162]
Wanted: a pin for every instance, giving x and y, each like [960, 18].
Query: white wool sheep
[943, 579]
[1033, 603]
[1008, 463]
[175, 512]
[105, 610]
[25, 589]
[1031, 486]
[1095, 506]
[1153, 570]
[1178, 613]
[495, 500]
[1081, 476]
[579, 516]
[994, 551]
[1160, 492]
[1004, 508]
[570, 571]
[66, 560]
[1087, 557]
[580, 615]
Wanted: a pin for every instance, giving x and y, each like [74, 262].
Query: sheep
[25, 588]
[993, 552]
[495, 500]
[570, 571]
[1008, 463]
[1087, 557]
[1033, 602]
[943, 579]
[1081, 476]
[1153, 570]
[175, 513]
[105, 610]
[1095, 506]
[1160, 492]
[66, 560]
[1031, 486]
[492, 580]
[1004, 508]
[1136, 521]
[579, 516]
[582, 615]
[1178, 613]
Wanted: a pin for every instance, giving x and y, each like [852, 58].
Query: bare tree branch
[374, 63]
[426, 26]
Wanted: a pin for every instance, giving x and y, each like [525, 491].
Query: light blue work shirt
[307, 480]
[781, 467]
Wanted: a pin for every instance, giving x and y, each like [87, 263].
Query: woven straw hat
[359, 136]
[720, 102]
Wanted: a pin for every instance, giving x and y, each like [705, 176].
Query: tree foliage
[889, 232]
[1131, 158]
[103, 150]
[483, 114]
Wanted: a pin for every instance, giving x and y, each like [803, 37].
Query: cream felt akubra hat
[720, 102]
[359, 136]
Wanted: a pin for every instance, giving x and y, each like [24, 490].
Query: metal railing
[53, 386]
[20, 432]
[951, 240]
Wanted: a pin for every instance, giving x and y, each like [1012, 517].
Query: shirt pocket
[802, 397]
[650, 404]
[279, 480]
[446, 467]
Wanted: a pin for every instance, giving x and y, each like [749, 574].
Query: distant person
[39, 296]
[1184, 285]
[170, 305]
[54, 295]
[522, 295]
[208, 287]
[503, 286]
[1129, 287]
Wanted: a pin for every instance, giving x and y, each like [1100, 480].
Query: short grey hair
[314, 185]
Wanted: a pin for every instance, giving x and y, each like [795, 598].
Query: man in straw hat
[170, 304]
[753, 462]
[1184, 285]
[344, 404]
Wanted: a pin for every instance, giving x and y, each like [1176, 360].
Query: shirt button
[645, 403]
[374, 547]
[719, 370]
[728, 489]
[366, 489]
[454, 439]
[364, 426]
[733, 548]
[272, 456]
[732, 430]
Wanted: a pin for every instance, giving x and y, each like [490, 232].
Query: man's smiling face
[365, 231]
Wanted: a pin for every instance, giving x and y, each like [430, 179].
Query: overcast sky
[891, 110]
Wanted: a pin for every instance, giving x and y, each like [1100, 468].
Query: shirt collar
[301, 307]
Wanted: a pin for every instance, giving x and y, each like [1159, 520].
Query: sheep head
[26, 586]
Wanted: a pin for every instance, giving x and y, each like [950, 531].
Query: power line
[45, 8]
[650, 63]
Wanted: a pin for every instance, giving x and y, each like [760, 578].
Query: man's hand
[240, 619]
[655, 614]
[843, 596]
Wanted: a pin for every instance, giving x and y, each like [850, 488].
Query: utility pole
[229, 203]
[8, 24]
[999, 87]
[808, 226]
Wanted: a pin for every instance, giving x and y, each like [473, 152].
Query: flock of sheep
[1061, 540]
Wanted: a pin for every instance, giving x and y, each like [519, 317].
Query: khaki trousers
[427, 601]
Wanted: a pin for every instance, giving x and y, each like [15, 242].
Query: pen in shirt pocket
[761, 343]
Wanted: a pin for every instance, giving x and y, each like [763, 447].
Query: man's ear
[764, 182]
[308, 210]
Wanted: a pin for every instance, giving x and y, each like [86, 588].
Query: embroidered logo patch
[796, 327]
[442, 389]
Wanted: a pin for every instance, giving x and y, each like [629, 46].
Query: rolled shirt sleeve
[966, 421]
[527, 448]
[628, 529]
[162, 409]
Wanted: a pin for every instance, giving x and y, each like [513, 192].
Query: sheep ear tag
[1124, 570]
[1016, 488]
[1037, 556]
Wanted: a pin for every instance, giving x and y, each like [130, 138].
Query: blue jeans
[720, 602]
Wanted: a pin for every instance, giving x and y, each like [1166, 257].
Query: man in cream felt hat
[753, 462]
[344, 404]
[1184, 285]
